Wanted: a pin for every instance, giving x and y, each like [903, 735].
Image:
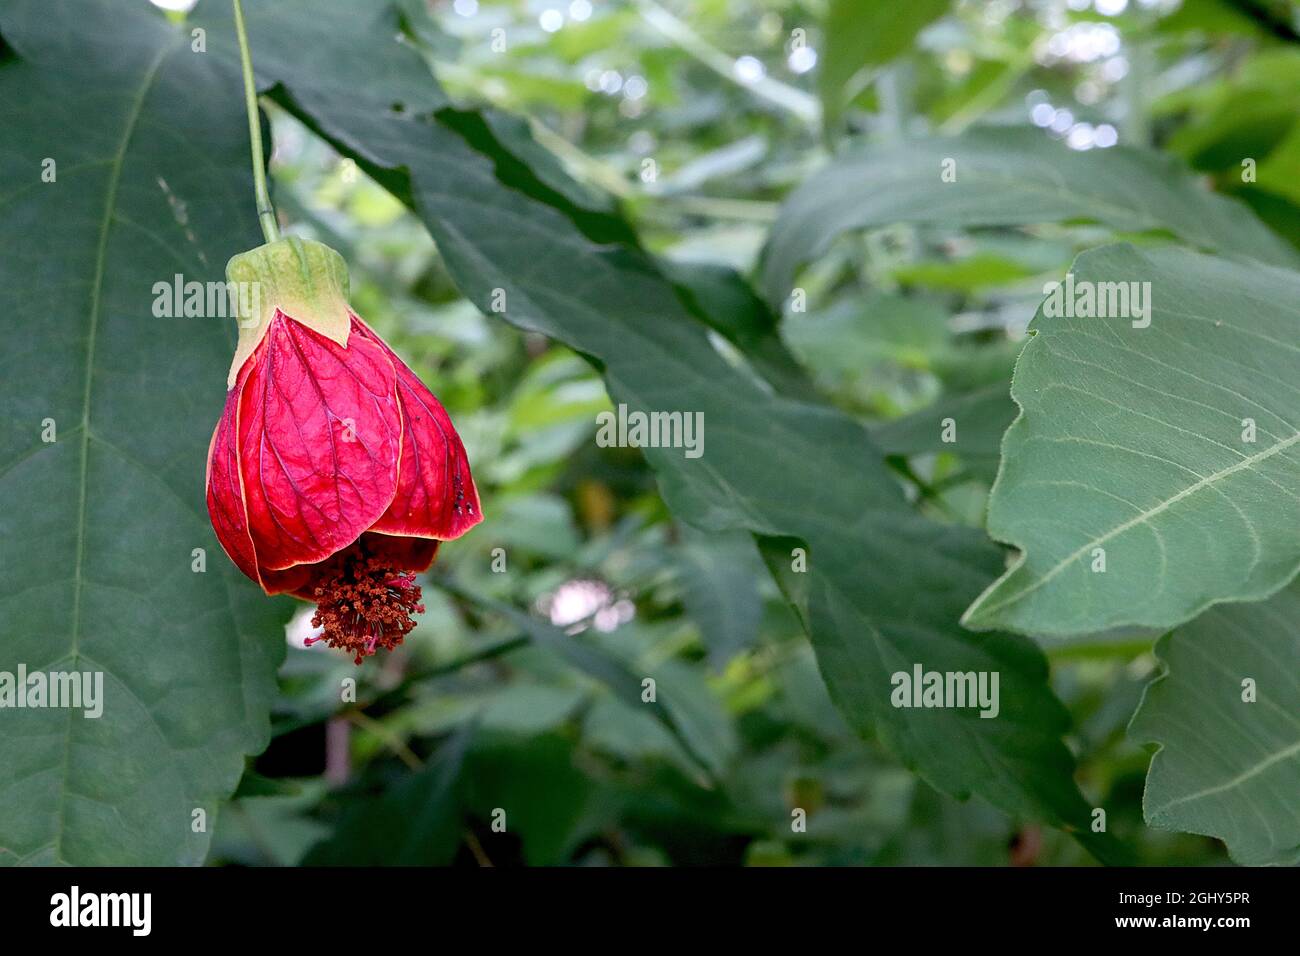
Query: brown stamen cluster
[366, 605]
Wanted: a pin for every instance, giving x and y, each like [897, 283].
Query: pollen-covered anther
[365, 606]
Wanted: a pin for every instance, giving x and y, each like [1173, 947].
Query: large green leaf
[97, 527]
[1229, 767]
[1170, 452]
[884, 587]
[1010, 176]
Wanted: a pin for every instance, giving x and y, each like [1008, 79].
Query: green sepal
[304, 279]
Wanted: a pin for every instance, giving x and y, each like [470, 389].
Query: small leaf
[1229, 767]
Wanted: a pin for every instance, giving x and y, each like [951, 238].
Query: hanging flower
[333, 473]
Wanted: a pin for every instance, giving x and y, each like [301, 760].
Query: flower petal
[435, 497]
[409, 554]
[319, 441]
[225, 489]
[299, 580]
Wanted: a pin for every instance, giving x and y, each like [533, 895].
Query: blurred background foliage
[697, 119]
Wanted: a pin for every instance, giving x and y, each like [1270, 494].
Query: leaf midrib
[96, 300]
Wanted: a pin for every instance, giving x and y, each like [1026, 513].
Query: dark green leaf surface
[771, 466]
[719, 588]
[97, 528]
[1010, 176]
[536, 792]
[1134, 441]
[1226, 767]
[980, 417]
[613, 663]
[723, 300]
[416, 822]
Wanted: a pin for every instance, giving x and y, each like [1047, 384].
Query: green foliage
[1234, 777]
[1006, 177]
[1167, 447]
[863, 35]
[108, 412]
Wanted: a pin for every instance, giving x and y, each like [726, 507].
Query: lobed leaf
[98, 527]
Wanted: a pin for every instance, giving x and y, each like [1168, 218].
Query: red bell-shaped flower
[333, 472]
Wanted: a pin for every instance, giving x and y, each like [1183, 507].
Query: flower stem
[265, 211]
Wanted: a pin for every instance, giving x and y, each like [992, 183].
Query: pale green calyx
[306, 280]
